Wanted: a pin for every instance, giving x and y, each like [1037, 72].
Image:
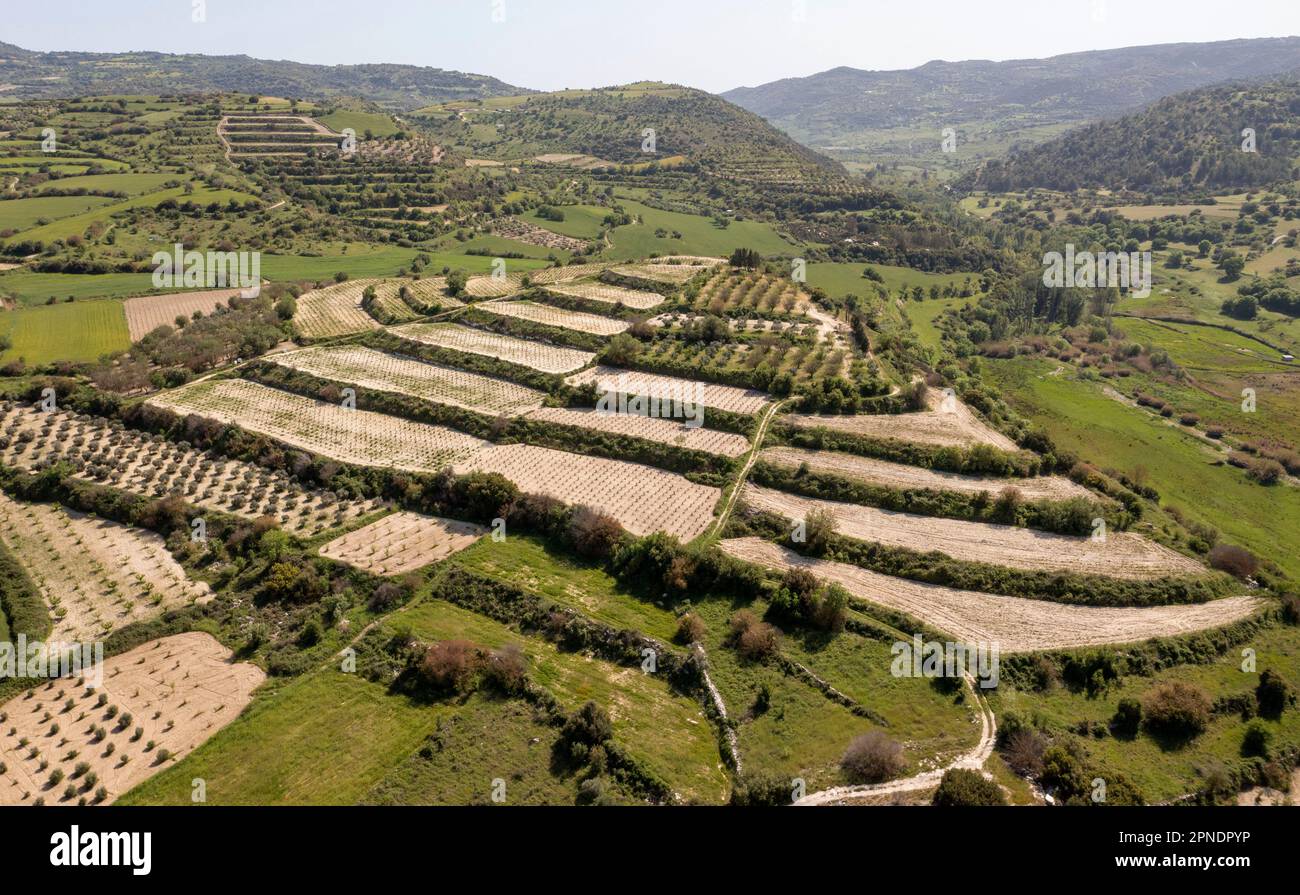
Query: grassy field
[1164, 771]
[925, 315]
[1080, 417]
[76, 331]
[666, 731]
[840, 279]
[19, 214]
[324, 739]
[364, 261]
[525, 562]
[700, 235]
[378, 124]
[33, 288]
[580, 221]
[131, 184]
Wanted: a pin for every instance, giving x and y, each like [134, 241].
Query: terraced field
[146, 465]
[664, 431]
[494, 287]
[1015, 624]
[958, 427]
[642, 499]
[524, 352]
[568, 273]
[157, 703]
[633, 382]
[95, 576]
[665, 273]
[899, 475]
[1121, 555]
[402, 542]
[557, 317]
[367, 368]
[334, 311]
[610, 295]
[145, 313]
[351, 436]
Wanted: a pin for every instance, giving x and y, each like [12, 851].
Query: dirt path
[759, 434]
[972, 760]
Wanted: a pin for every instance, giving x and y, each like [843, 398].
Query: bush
[1128, 718]
[1258, 740]
[1177, 708]
[690, 628]
[873, 758]
[594, 534]
[1237, 561]
[962, 787]
[1023, 752]
[1273, 694]
[451, 665]
[753, 639]
[589, 725]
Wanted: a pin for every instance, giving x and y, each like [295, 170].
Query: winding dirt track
[1016, 624]
[972, 760]
[899, 475]
[1120, 555]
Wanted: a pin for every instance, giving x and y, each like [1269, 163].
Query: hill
[611, 124]
[870, 116]
[33, 75]
[1191, 142]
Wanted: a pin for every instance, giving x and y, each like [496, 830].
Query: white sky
[711, 44]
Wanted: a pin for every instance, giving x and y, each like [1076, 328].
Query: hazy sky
[711, 44]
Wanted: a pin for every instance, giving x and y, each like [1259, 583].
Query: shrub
[1023, 752]
[754, 639]
[1128, 718]
[962, 787]
[690, 628]
[451, 665]
[1258, 739]
[589, 725]
[1237, 561]
[1273, 694]
[872, 758]
[594, 534]
[507, 668]
[1177, 708]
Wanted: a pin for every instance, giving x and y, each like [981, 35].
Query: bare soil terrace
[644, 500]
[900, 475]
[402, 542]
[1121, 555]
[166, 697]
[1017, 625]
[352, 436]
[524, 352]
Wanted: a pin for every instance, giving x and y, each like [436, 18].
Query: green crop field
[34, 288]
[19, 214]
[76, 331]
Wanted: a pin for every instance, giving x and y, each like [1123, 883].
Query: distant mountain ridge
[27, 74]
[1187, 143]
[1000, 102]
